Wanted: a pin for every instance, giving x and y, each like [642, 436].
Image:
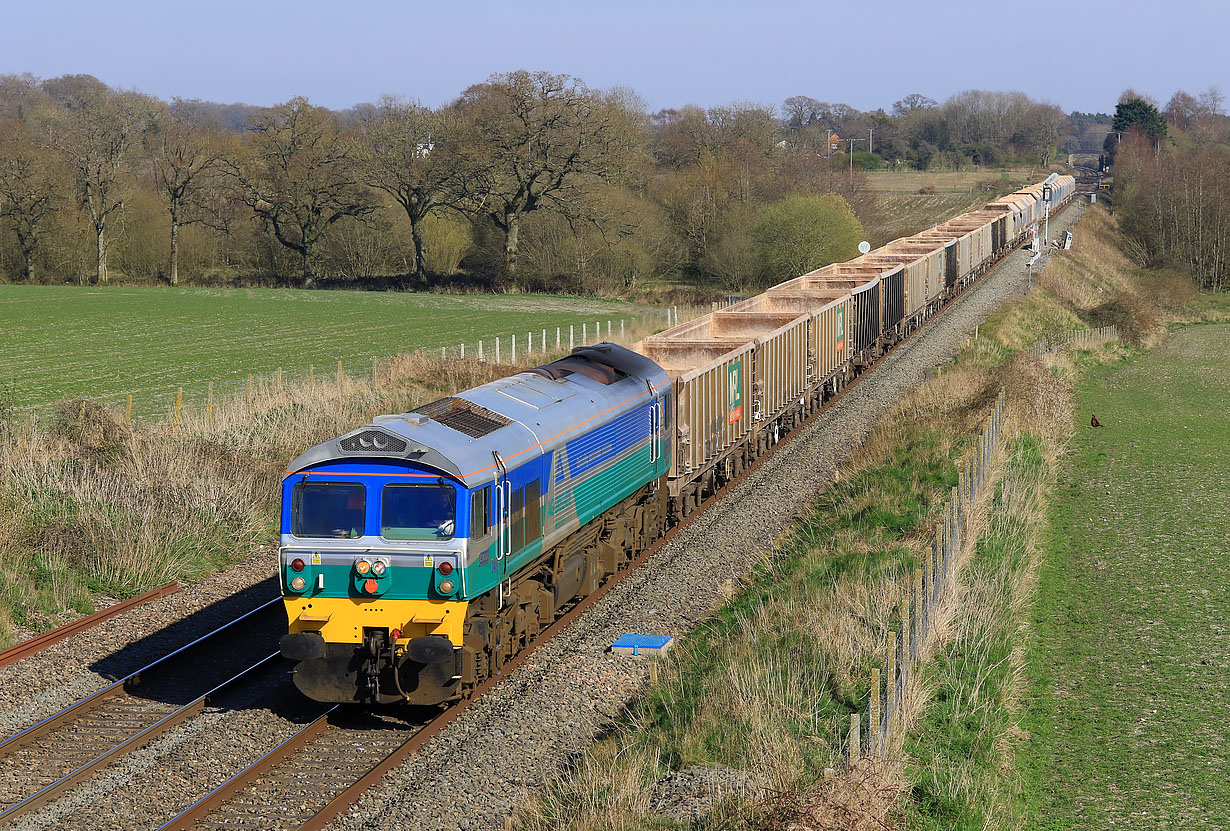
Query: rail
[40, 642]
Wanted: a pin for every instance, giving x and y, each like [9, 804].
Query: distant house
[835, 143]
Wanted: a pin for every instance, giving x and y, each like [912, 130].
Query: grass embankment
[105, 344]
[1130, 721]
[93, 506]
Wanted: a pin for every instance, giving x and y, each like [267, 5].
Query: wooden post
[653, 672]
[514, 349]
[571, 336]
[480, 350]
[874, 740]
[462, 350]
[209, 405]
[497, 350]
[279, 379]
[557, 339]
[585, 334]
[916, 606]
[128, 411]
[179, 408]
[311, 376]
[250, 380]
[339, 373]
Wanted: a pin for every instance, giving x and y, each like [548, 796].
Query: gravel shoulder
[527, 730]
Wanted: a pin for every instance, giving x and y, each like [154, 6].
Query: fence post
[209, 405]
[480, 350]
[571, 336]
[514, 349]
[497, 350]
[873, 714]
[890, 692]
[557, 340]
[855, 734]
[463, 351]
[915, 606]
[621, 329]
[585, 334]
[128, 411]
[179, 407]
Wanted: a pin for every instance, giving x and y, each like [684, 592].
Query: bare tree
[533, 141]
[912, 103]
[94, 132]
[186, 162]
[397, 144]
[299, 177]
[28, 191]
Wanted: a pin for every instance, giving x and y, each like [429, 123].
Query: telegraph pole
[851, 142]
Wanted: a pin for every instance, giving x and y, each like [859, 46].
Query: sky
[671, 52]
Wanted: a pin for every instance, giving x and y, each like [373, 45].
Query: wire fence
[1080, 339]
[542, 342]
[871, 733]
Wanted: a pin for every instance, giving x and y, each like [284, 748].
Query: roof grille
[464, 416]
[373, 441]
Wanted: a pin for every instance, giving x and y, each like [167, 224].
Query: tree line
[1172, 183]
[527, 179]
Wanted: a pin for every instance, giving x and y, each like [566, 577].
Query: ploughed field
[59, 342]
[1129, 721]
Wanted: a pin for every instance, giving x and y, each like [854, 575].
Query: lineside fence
[1082, 338]
[872, 733]
[544, 342]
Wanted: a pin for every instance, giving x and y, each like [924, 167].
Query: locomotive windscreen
[328, 509]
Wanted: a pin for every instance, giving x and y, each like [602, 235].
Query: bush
[802, 233]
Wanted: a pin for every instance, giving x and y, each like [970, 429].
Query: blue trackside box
[637, 645]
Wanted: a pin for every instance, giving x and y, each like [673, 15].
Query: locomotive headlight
[446, 587]
[362, 566]
[378, 568]
[297, 583]
[296, 564]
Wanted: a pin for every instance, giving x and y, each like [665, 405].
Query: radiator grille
[373, 441]
[464, 416]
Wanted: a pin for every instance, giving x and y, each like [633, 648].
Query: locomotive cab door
[503, 524]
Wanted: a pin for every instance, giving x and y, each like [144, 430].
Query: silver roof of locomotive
[544, 413]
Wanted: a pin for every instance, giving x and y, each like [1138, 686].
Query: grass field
[1128, 721]
[906, 211]
[61, 342]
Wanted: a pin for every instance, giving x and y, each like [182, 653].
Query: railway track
[47, 759]
[322, 770]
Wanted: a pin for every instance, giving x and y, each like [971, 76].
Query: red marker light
[446, 567]
[370, 586]
[296, 564]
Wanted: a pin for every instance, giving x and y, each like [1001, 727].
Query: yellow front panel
[342, 619]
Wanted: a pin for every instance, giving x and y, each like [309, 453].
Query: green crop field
[1128, 721]
[60, 342]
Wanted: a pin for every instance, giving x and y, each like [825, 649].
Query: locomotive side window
[418, 512]
[517, 520]
[479, 527]
[533, 514]
[328, 509]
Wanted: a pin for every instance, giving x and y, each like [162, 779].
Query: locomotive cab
[372, 570]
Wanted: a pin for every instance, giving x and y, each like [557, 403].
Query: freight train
[421, 552]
